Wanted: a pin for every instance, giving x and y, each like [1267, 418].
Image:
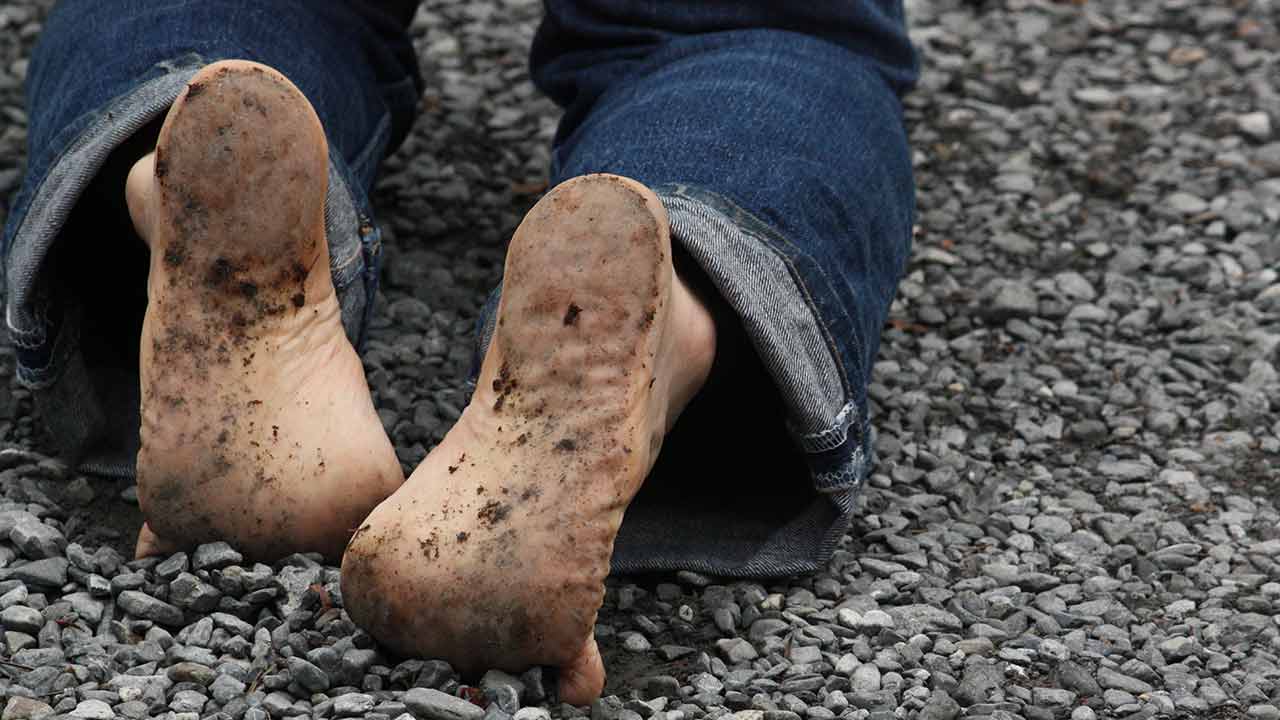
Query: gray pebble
[146, 607]
[36, 540]
[48, 573]
[22, 619]
[352, 705]
[214, 556]
[429, 704]
[308, 675]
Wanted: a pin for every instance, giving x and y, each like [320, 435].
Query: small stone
[706, 683]
[144, 606]
[428, 704]
[308, 675]
[609, 707]
[635, 642]
[37, 540]
[86, 606]
[93, 710]
[1177, 648]
[98, 586]
[736, 650]
[939, 706]
[215, 556]
[980, 679]
[1006, 298]
[917, 619]
[188, 701]
[1257, 125]
[225, 688]
[873, 621]
[16, 596]
[49, 573]
[805, 654]
[498, 679]
[17, 641]
[866, 678]
[172, 566]
[1185, 203]
[1052, 697]
[353, 705]
[190, 672]
[1109, 678]
[25, 708]
[190, 592]
[1263, 712]
[22, 619]
[845, 616]
[1099, 97]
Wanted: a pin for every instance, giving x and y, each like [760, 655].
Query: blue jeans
[772, 132]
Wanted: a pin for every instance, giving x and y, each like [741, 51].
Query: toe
[582, 680]
[138, 192]
[150, 544]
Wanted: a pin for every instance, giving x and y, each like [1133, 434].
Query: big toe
[582, 680]
[152, 545]
[139, 194]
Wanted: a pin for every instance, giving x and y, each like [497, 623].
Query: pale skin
[495, 550]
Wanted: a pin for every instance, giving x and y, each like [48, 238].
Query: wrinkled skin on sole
[494, 554]
[257, 424]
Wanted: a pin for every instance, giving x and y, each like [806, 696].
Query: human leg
[774, 142]
[72, 274]
[779, 153]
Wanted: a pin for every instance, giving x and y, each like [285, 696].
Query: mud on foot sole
[495, 553]
[246, 369]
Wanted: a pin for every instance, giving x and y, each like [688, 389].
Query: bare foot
[494, 554]
[257, 425]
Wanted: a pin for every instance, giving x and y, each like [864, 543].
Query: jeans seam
[64, 344]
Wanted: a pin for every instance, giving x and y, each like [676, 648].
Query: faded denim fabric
[104, 70]
[772, 132]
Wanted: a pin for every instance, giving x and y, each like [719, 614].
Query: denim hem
[96, 434]
[56, 196]
[354, 241]
[737, 253]
[742, 258]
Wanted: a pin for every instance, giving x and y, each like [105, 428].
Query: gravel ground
[1074, 512]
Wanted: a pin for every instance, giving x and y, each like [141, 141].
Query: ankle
[694, 347]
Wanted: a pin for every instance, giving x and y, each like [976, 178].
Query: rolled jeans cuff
[747, 263]
[93, 430]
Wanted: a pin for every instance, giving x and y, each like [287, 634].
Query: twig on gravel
[20, 666]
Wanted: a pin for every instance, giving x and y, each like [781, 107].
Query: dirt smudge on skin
[430, 546]
[493, 512]
[571, 314]
[566, 445]
[503, 385]
[220, 272]
[175, 254]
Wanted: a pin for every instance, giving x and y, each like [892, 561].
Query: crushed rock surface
[1074, 511]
